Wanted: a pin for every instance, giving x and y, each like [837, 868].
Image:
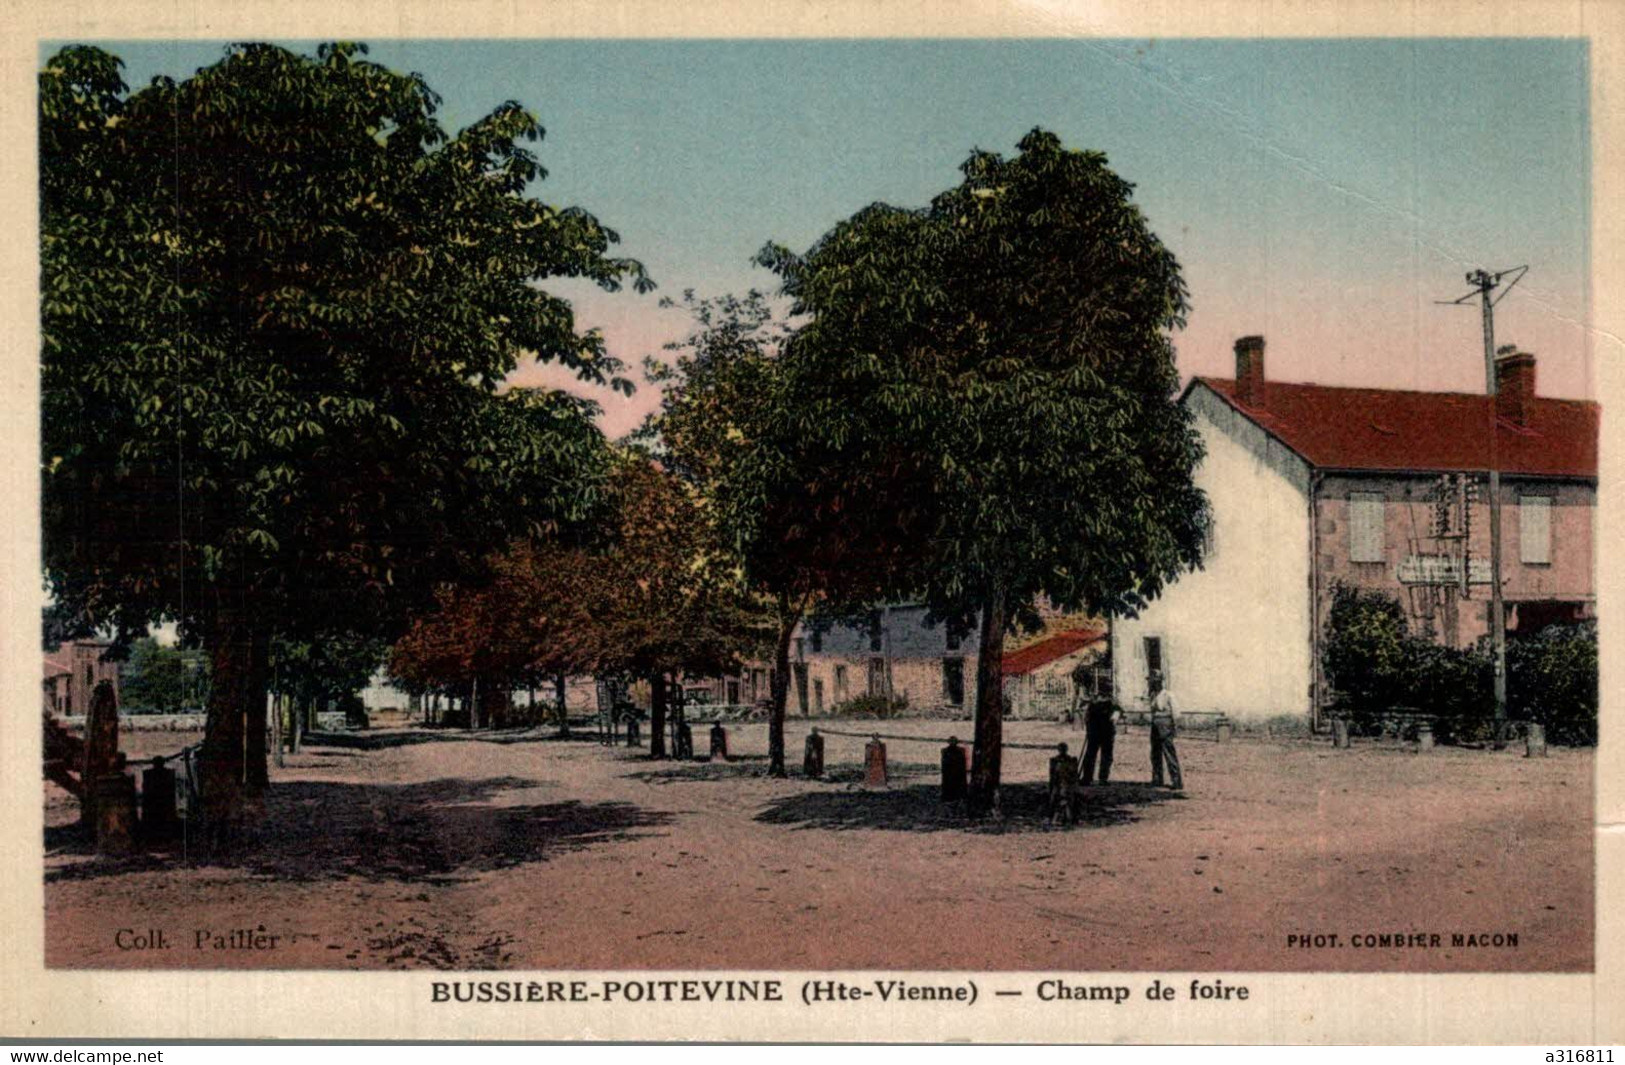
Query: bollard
[115, 813]
[874, 764]
[1340, 733]
[812, 761]
[1424, 737]
[158, 815]
[953, 771]
[1535, 741]
[1063, 787]
[633, 733]
[719, 743]
[1224, 730]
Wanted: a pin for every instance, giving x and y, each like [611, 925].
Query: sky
[1321, 193]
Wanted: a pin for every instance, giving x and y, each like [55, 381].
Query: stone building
[1385, 490]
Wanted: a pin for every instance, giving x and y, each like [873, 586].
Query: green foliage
[1552, 679]
[325, 668]
[1376, 667]
[278, 304]
[162, 679]
[1363, 654]
[872, 706]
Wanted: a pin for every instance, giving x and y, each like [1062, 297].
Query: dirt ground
[408, 849]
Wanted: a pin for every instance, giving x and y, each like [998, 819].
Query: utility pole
[1484, 284]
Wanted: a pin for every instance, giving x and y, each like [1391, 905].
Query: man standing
[1099, 735]
[1162, 741]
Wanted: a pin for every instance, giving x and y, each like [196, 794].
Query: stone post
[158, 816]
[874, 764]
[953, 771]
[1535, 741]
[1224, 729]
[115, 813]
[1424, 736]
[1340, 733]
[719, 743]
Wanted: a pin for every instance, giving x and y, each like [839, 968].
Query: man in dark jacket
[1100, 734]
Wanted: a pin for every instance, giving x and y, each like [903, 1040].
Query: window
[953, 681]
[818, 696]
[877, 676]
[817, 640]
[801, 647]
[954, 636]
[874, 630]
[1535, 530]
[1365, 527]
[840, 684]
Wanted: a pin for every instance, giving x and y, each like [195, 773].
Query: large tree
[278, 304]
[671, 599]
[1000, 365]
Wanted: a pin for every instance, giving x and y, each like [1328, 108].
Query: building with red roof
[1312, 486]
[1045, 677]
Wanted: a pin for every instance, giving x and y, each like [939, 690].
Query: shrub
[1377, 668]
[877, 706]
[1364, 655]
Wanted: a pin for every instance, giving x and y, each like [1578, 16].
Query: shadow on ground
[436, 830]
[674, 772]
[919, 808]
[378, 741]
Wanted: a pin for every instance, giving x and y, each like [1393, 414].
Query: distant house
[1042, 678]
[71, 673]
[1312, 485]
[896, 653]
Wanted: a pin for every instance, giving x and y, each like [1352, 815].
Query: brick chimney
[1514, 386]
[1250, 372]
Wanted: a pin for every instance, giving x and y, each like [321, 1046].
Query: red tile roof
[1047, 650]
[55, 667]
[1382, 429]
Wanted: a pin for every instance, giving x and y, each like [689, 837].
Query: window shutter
[1365, 527]
[1535, 529]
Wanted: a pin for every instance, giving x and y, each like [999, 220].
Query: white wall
[1235, 635]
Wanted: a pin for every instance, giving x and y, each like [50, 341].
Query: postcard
[1008, 522]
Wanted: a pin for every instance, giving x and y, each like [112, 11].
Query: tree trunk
[781, 691]
[493, 703]
[100, 749]
[229, 640]
[987, 756]
[657, 715]
[296, 724]
[562, 707]
[276, 729]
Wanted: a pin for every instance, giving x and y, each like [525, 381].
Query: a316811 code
[1580, 1057]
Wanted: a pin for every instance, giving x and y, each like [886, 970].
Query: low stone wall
[327, 722]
